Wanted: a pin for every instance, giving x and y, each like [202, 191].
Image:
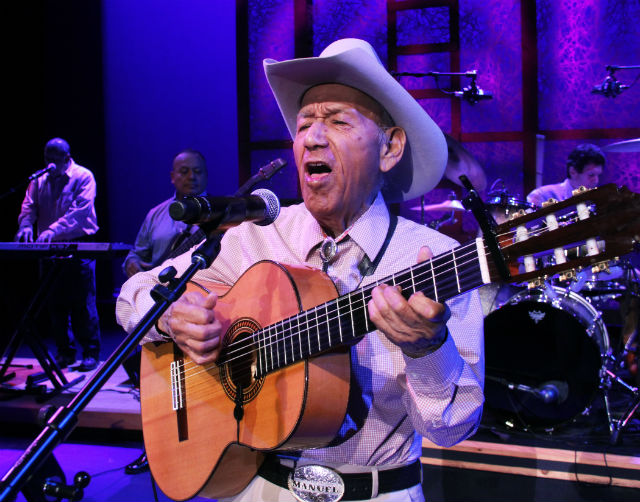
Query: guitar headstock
[587, 230]
[265, 172]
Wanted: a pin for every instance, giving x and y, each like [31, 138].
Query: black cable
[153, 487]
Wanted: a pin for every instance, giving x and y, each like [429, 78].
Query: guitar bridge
[177, 385]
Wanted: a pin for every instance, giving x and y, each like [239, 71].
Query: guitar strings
[423, 270]
[331, 308]
[240, 347]
[201, 390]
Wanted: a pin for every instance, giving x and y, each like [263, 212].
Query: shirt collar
[368, 232]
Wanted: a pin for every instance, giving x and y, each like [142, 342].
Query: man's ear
[391, 151]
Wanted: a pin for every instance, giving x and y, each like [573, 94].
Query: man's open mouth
[317, 168]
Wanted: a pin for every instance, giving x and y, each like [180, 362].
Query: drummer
[585, 165]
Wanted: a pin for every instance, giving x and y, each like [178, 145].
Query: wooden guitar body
[201, 448]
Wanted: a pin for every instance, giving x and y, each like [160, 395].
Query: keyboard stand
[25, 332]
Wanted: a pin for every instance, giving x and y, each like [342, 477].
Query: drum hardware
[630, 145]
[504, 206]
[608, 378]
[450, 206]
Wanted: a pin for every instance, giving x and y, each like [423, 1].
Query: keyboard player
[59, 205]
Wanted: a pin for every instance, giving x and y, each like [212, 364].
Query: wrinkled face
[589, 177]
[338, 149]
[189, 174]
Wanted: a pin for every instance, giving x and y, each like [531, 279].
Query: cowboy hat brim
[354, 63]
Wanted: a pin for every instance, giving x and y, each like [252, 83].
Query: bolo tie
[329, 248]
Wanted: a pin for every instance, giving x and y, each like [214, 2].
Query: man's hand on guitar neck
[192, 324]
[418, 325]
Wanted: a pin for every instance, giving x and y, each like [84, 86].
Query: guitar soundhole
[240, 358]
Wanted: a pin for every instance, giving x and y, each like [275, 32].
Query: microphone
[553, 391]
[261, 207]
[42, 172]
[610, 87]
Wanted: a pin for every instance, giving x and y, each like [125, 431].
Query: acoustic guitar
[282, 379]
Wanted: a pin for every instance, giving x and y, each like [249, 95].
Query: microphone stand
[64, 419]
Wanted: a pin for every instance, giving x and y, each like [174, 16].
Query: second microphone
[261, 207]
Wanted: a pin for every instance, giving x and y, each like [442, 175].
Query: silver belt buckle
[316, 483]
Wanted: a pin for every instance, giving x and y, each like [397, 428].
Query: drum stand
[607, 379]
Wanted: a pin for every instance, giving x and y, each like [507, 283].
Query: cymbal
[462, 162]
[447, 205]
[631, 145]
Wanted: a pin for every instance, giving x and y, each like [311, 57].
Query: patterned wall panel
[490, 43]
[270, 36]
[576, 40]
[439, 110]
[365, 19]
[428, 25]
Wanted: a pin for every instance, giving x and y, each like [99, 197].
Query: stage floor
[575, 462]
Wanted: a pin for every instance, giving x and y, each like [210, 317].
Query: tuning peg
[517, 214]
[579, 190]
[602, 266]
[569, 275]
[537, 283]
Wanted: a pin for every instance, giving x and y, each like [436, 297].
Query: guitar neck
[345, 319]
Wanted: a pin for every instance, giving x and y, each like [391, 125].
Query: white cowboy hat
[354, 62]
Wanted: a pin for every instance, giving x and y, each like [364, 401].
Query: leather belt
[357, 486]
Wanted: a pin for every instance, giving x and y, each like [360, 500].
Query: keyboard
[63, 249]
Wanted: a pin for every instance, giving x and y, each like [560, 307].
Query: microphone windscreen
[272, 206]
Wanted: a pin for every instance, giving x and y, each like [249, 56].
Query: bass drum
[544, 350]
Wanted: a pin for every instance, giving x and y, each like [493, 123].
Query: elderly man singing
[360, 142]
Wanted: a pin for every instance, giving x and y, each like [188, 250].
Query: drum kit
[559, 351]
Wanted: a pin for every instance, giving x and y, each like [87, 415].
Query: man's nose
[316, 135]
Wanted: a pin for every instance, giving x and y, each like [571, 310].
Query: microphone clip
[472, 93]
[611, 87]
